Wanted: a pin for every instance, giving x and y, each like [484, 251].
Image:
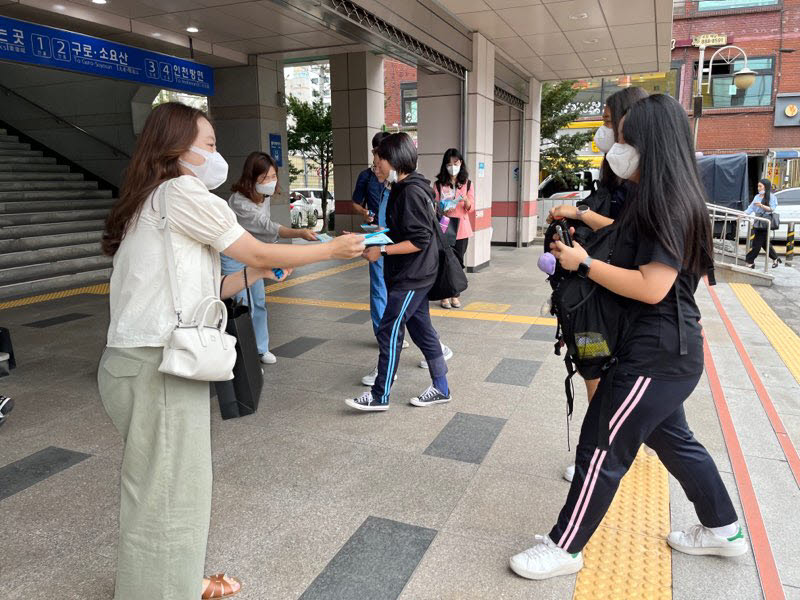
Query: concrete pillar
[439, 119]
[505, 174]
[480, 136]
[247, 108]
[530, 165]
[356, 115]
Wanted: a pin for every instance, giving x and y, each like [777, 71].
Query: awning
[787, 154]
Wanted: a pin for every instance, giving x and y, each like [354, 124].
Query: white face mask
[213, 172]
[453, 169]
[392, 177]
[266, 188]
[604, 138]
[623, 160]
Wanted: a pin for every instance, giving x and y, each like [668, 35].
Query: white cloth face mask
[453, 170]
[267, 189]
[604, 138]
[213, 172]
[392, 176]
[623, 160]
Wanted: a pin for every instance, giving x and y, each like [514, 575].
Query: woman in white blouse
[165, 420]
[251, 203]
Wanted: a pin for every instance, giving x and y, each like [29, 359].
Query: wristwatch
[383, 250]
[581, 210]
[583, 268]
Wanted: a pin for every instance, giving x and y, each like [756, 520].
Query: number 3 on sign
[41, 45]
[151, 68]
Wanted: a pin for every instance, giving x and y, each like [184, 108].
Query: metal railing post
[789, 243]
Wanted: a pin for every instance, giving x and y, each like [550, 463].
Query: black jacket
[410, 217]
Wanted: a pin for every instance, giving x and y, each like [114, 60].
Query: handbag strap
[170, 254]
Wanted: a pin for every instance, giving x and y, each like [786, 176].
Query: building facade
[764, 117]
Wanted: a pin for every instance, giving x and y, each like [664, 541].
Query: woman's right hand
[347, 246]
[563, 211]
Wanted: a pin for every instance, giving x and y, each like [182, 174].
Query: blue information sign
[275, 148]
[39, 45]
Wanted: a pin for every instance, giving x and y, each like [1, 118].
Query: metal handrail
[726, 215]
[62, 120]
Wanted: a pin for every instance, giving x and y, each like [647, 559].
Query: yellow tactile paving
[436, 312]
[627, 557]
[293, 281]
[99, 289]
[488, 307]
[785, 341]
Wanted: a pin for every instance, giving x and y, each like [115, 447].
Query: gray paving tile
[359, 317]
[466, 438]
[514, 371]
[298, 347]
[541, 333]
[56, 320]
[37, 467]
[376, 562]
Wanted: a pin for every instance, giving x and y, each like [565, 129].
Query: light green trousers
[165, 505]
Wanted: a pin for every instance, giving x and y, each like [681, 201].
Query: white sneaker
[545, 560]
[268, 358]
[446, 351]
[699, 540]
[569, 473]
[405, 344]
[369, 380]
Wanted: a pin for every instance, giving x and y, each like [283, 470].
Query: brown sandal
[220, 586]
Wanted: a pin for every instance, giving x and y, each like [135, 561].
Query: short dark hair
[378, 138]
[399, 151]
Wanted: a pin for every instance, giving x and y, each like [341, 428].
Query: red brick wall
[760, 33]
[395, 73]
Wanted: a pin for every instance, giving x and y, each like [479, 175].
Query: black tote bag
[239, 397]
[450, 279]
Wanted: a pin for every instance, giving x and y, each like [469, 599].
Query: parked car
[309, 200]
[788, 209]
[552, 188]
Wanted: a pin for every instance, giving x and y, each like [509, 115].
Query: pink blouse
[460, 212]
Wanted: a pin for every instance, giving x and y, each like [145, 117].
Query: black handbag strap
[246, 287]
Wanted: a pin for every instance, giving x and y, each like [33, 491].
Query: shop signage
[710, 39]
[56, 48]
[787, 110]
[275, 149]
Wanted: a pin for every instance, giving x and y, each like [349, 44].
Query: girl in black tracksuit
[410, 267]
[661, 251]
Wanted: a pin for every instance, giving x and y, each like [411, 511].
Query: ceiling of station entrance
[558, 39]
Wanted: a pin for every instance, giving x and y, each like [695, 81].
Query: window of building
[592, 93]
[724, 94]
[408, 93]
[709, 5]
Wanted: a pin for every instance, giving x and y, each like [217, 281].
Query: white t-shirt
[201, 225]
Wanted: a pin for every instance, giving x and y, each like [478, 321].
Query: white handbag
[197, 349]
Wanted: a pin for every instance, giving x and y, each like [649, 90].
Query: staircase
[51, 221]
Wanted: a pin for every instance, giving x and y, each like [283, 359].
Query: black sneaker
[6, 406]
[429, 397]
[366, 402]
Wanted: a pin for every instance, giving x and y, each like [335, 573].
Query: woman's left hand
[308, 235]
[467, 205]
[569, 257]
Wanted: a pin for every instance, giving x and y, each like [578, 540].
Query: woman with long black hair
[455, 197]
[606, 203]
[764, 203]
[662, 249]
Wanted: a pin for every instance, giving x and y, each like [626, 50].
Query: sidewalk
[314, 500]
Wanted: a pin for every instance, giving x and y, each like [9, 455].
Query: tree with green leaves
[559, 153]
[310, 134]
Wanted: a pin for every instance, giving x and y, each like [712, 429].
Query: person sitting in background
[251, 204]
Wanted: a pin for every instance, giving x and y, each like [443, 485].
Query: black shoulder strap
[469, 183]
[684, 346]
